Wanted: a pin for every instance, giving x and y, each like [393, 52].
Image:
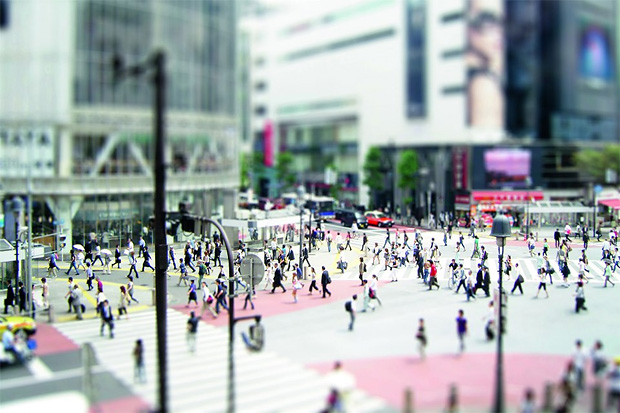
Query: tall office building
[84, 139]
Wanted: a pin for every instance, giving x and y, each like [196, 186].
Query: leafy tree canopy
[407, 168]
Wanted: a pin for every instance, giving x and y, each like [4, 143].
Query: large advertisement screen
[485, 63]
[505, 167]
[596, 59]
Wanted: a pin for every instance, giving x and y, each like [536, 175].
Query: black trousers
[325, 290]
[516, 285]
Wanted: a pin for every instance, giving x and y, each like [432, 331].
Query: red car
[378, 219]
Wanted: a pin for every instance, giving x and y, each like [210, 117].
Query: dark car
[348, 217]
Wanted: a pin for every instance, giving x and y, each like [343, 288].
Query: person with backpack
[350, 307]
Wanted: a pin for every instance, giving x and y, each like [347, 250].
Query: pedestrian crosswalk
[527, 268]
[265, 381]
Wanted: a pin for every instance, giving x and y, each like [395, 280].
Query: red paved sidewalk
[51, 341]
[473, 374]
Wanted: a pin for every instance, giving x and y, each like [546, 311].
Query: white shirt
[579, 359]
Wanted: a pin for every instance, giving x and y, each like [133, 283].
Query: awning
[498, 196]
[611, 203]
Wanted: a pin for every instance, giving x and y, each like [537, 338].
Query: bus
[323, 207]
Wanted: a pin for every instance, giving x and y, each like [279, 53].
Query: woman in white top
[207, 300]
[297, 285]
[269, 275]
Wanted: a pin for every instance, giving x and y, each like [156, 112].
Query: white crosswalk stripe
[265, 382]
[527, 266]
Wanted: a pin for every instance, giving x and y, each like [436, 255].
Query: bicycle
[453, 280]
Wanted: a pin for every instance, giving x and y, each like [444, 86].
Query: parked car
[348, 217]
[379, 219]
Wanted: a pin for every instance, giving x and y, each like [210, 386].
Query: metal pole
[29, 211]
[498, 405]
[17, 262]
[161, 254]
[231, 317]
[310, 233]
[301, 232]
[594, 217]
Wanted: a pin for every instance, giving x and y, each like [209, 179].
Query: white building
[85, 141]
[336, 77]
[330, 79]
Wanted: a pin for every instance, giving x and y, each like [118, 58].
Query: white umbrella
[106, 252]
[78, 247]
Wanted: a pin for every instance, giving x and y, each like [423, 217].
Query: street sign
[252, 269]
[598, 189]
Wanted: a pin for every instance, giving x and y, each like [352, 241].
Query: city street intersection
[304, 339]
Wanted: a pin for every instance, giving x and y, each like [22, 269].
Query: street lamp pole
[17, 205]
[157, 64]
[528, 184]
[500, 230]
[301, 191]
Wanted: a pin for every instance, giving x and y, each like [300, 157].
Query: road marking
[39, 370]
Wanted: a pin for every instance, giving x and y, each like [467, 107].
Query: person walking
[123, 300]
[107, 318]
[461, 330]
[607, 274]
[277, 280]
[117, 257]
[89, 277]
[139, 374]
[579, 359]
[542, 284]
[207, 301]
[191, 294]
[76, 301]
[297, 285]
[171, 257]
[147, 259]
[220, 296]
[519, 280]
[313, 285]
[374, 285]
[366, 298]
[350, 307]
[132, 264]
[53, 268]
[98, 255]
[192, 332]
[361, 270]
[67, 296]
[304, 256]
[130, 292]
[329, 241]
[470, 285]
[462, 277]
[249, 293]
[387, 237]
[433, 276]
[45, 293]
[421, 338]
[325, 280]
[9, 300]
[73, 263]
[182, 273]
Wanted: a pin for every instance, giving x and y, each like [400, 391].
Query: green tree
[373, 175]
[245, 169]
[284, 173]
[407, 168]
[595, 162]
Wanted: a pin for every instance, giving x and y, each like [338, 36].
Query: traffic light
[62, 240]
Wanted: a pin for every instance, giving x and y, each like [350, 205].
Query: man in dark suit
[277, 280]
[325, 279]
[479, 279]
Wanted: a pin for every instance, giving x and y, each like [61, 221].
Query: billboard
[485, 63]
[507, 167]
[595, 55]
